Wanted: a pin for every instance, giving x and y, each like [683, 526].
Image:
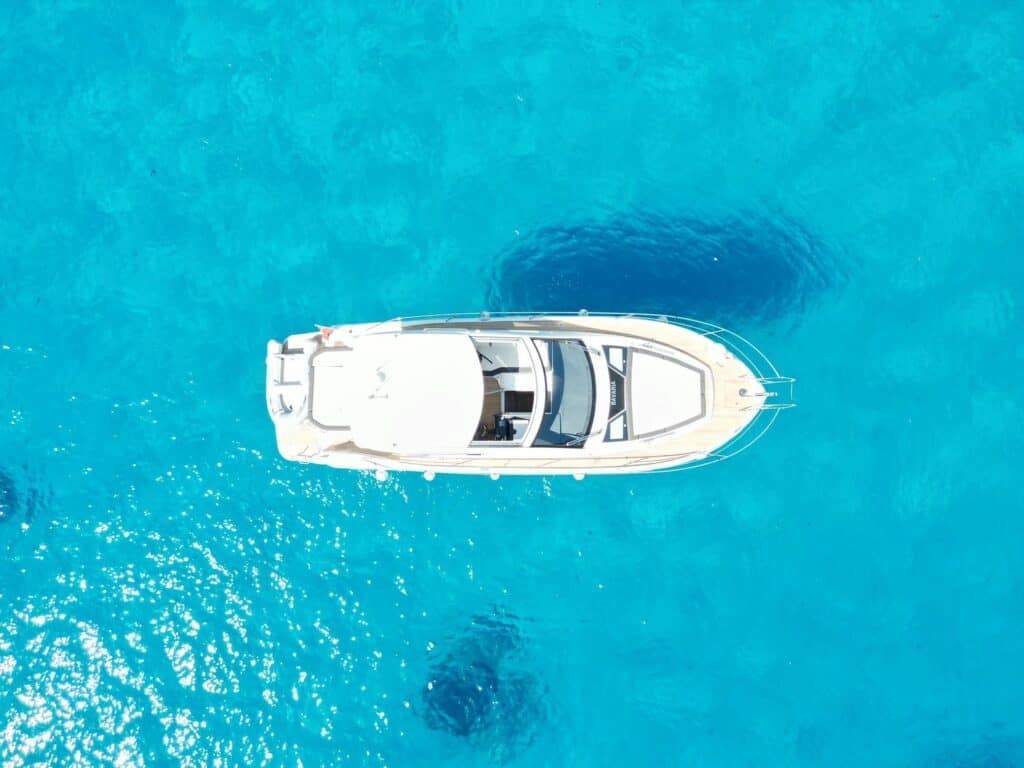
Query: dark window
[569, 404]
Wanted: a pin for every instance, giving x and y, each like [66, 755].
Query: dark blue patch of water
[479, 691]
[19, 498]
[731, 270]
[9, 501]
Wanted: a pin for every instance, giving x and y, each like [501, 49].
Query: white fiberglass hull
[537, 394]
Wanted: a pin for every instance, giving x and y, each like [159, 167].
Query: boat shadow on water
[480, 691]
[734, 270]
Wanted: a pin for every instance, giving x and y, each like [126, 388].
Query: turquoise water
[840, 182]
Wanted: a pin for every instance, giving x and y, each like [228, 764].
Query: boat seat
[520, 424]
[520, 380]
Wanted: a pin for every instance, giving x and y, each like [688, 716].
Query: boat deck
[736, 393]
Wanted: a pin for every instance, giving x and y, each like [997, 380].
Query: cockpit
[509, 390]
[565, 390]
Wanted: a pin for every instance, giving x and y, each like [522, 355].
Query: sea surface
[841, 182]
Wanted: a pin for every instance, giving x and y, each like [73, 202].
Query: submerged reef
[19, 500]
[732, 270]
[462, 698]
[9, 503]
[480, 691]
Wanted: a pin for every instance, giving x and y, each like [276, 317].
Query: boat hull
[733, 397]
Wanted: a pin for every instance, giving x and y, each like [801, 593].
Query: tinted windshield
[569, 404]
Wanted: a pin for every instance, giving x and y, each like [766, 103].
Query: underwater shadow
[478, 691]
[9, 501]
[731, 270]
[18, 499]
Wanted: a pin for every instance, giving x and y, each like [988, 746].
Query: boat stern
[288, 396]
[287, 382]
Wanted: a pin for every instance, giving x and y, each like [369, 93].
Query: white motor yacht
[538, 394]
